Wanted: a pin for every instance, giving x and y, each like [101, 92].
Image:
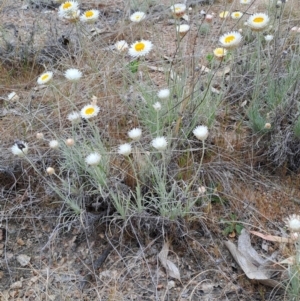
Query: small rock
[23, 260]
[17, 284]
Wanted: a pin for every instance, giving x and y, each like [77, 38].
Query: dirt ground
[47, 256]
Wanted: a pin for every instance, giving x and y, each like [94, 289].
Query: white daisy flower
[50, 171]
[183, 29]
[13, 96]
[54, 144]
[293, 223]
[230, 40]
[20, 149]
[90, 16]
[93, 159]
[74, 117]
[135, 134]
[160, 143]
[220, 53]
[236, 15]
[178, 10]
[157, 106]
[201, 132]
[121, 46]
[245, 1]
[269, 38]
[163, 93]
[89, 111]
[258, 21]
[140, 48]
[73, 74]
[45, 78]
[137, 16]
[124, 149]
[67, 9]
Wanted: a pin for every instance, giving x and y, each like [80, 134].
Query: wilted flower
[93, 159]
[135, 134]
[160, 143]
[267, 125]
[230, 40]
[157, 106]
[89, 111]
[70, 142]
[269, 38]
[45, 78]
[183, 29]
[74, 117]
[163, 93]
[201, 132]
[90, 16]
[178, 10]
[293, 223]
[50, 171]
[124, 149]
[137, 16]
[258, 21]
[20, 148]
[208, 18]
[236, 15]
[224, 14]
[53, 144]
[73, 74]
[121, 46]
[140, 48]
[39, 136]
[220, 53]
[13, 96]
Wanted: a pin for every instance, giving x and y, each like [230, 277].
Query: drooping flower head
[163, 93]
[236, 15]
[135, 134]
[74, 117]
[124, 149]
[201, 132]
[90, 16]
[45, 78]
[293, 223]
[20, 149]
[230, 40]
[50, 171]
[73, 74]
[224, 14]
[137, 16]
[140, 48]
[159, 143]
[93, 159]
[89, 111]
[157, 106]
[178, 10]
[220, 53]
[121, 46]
[183, 29]
[258, 21]
[54, 144]
[269, 38]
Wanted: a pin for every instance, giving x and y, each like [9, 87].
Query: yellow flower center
[237, 15]
[258, 20]
[139, 46]
[177, 9]
[89, 14]
[67, 5]
[229, 39]
[89, 111]
[137, 17]
[44, 77]
[219, 51]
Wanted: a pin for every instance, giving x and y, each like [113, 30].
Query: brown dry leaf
[20, 242]
[250, 262]
[170, 267]
[271, 237]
